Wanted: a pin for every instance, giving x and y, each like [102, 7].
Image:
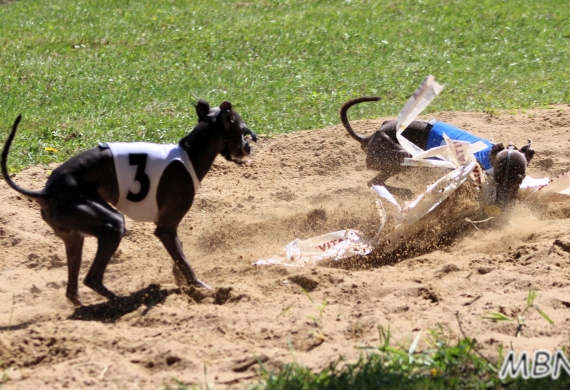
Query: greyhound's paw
[199, 283]
[75, 300]
[100, 289]
[378, 180]
[373, 182]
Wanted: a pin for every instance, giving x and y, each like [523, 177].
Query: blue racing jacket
[435, 138]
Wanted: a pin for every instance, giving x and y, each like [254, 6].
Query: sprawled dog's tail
[343, 110]
[32, 194]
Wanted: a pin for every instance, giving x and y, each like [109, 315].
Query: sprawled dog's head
[234, 145]
[509, 170]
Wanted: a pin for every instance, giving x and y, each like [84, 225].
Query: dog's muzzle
[253, 135]
[236, 154]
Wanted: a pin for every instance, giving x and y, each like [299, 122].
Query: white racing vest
[139, 167]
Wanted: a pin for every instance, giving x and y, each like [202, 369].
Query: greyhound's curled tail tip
[344, 118]
[4, 167]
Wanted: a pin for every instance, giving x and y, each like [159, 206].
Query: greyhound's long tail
[343, 110]
[31, 194]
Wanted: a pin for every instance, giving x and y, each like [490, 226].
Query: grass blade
[414, 344]
[494, 316]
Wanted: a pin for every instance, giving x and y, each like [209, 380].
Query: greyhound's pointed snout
[253, 135]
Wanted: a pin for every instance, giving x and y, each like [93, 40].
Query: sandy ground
[296, 186]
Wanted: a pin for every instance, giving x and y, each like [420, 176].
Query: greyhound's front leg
[169, 238]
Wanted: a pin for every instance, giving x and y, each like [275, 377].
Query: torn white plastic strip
[455, 153]
[385, 194]
[460, 152]
[557, 190]
[530, 182]
[412, 162]
[331, 246]
[393, 211]
[419, 100]
[478, 146]
[433, 152]
[437, 193]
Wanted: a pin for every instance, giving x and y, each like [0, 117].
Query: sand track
[297, 185]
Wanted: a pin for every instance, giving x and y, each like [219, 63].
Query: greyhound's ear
[202, 109]
[227, 107]
[494, 151]
[528, 152]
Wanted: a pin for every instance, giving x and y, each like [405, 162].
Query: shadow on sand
[111, 311]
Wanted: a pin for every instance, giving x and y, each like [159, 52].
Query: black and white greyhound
[150, 182]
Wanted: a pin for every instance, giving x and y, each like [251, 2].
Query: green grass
[87, 70]
[445, 365]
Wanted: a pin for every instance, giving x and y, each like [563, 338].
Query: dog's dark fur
[77, 197]
[385, 154]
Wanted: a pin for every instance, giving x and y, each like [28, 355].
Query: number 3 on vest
[139, 160]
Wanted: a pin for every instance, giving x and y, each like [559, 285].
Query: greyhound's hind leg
[73, 241]
[93, 217]
[169, 238]
[109, 233]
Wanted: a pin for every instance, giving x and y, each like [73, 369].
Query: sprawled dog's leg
[169, 238]
[379, 179]
[387, 161]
